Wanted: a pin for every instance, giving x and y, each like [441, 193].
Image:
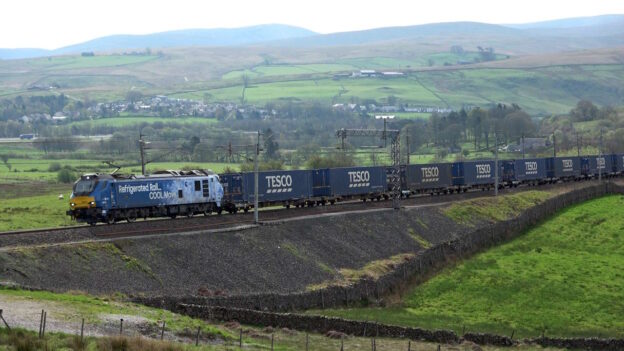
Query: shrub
[65, 176]
[54, 167]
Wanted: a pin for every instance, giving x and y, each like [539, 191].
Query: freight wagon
[563, 168]
[278, 187]
[531, 171]
[474, 174]
[335, 184]
[428, 178]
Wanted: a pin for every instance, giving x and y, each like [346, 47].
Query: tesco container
[349, 181]
[530, 169]
[469, 173]
[599, 164]
[278, 186]
[429, 176]
[564, 167]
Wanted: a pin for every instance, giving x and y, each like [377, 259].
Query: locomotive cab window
[197, 185]
[180, 194]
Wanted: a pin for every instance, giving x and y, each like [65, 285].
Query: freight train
[110, 198]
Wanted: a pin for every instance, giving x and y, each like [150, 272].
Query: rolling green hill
[564, 278]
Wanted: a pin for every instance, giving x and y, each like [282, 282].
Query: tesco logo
[359, 176]
[430, 172]
[484, 169]
[279, 181]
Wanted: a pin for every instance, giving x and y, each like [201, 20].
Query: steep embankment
[293, 256]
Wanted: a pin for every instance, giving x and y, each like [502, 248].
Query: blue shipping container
[530, 169]
[232, 187]
[429, 176]
[470, 173]
[564, 167]
[336, 182]
[600, 164]
[278, 186]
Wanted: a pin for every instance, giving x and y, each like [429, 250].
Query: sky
[51, 24]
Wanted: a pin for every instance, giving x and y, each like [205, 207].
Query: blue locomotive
[110, 198]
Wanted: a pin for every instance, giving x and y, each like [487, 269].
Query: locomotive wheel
[173, 216]
[246, 209]
[219, 210]
[110, 219]
[131, 217]
[190, 214]
[207, 212]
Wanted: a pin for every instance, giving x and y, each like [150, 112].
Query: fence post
[5, 322]
[45, 320]
[409, 345]
[307, 341]
[121, 326]
[41, 324]
[512, 334]
[341, 344]
[197, 337]
[82, 331]
[272, 341]
[162, 333]
[240, 338]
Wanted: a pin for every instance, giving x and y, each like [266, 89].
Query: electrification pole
[599, 162]
[142, 150]
[256, 179]
[496, 165]
[554, 145]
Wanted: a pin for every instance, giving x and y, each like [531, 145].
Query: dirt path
[23, 312]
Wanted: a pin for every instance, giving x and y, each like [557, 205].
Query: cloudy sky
[55, 23]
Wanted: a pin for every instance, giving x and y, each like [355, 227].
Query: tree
[5, 160]
[65, 175]
[134, 96]
[271, 146]
[585, 110]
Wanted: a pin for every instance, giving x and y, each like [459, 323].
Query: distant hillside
[572, 22]
[181, 38]
[421, 32]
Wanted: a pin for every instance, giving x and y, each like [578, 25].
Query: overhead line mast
[395, 151]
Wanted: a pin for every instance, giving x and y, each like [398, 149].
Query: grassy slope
[564, 276]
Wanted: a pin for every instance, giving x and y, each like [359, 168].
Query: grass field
[72, 307]
[42, 211]
[538, 90]
[564, 278]
[136, 120]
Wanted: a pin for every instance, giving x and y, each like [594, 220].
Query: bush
[65, 176]
[54, 167]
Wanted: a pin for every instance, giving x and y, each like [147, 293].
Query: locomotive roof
[157, 174]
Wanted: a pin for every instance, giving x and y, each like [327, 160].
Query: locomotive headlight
[72, 204]
[92, 203]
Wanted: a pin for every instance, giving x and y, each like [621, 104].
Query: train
[110, 198]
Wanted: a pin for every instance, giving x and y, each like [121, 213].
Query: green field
[564, 278]
[539, 90]
[136, 120]
[74, 62]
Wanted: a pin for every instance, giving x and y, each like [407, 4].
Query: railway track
[225, 222]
